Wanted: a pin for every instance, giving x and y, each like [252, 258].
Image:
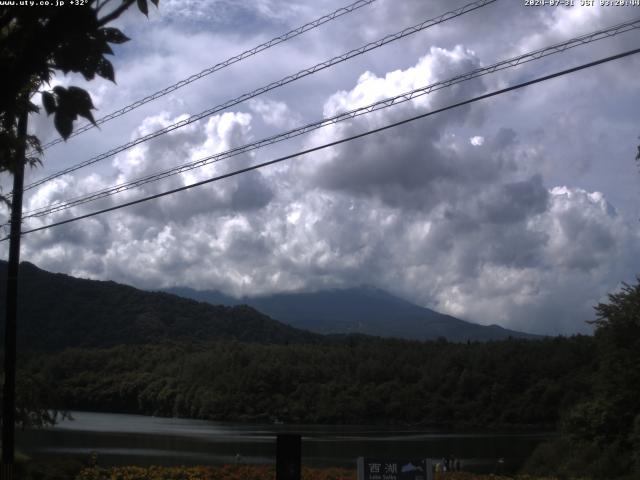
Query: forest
[504, 384]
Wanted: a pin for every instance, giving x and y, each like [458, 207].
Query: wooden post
[9, 390]
[288, 456]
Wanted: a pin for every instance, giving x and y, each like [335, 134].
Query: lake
[135, 439]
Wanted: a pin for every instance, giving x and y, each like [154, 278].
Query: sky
[521, 210]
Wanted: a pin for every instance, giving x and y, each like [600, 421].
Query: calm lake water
[135, 439]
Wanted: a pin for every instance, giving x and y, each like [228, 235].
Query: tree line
[584, 387]
[506, 384]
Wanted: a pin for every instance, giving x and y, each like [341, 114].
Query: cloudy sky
[521, 210]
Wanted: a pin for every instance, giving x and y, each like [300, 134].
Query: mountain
[57, 311]
[364, 310]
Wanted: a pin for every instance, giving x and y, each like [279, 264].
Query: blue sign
[379, 469]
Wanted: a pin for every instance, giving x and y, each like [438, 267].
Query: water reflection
[134, 439]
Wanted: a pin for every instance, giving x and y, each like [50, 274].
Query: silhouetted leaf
[68, 58]
[63, 124]
[33, 143]
[155, 2]
[49, 102]
[91, 65]
[32, 107]
[106, 49]
[105, 69]
[81, 102]
[113, 35]
[142, 5]
[70, 103]
[81, 98]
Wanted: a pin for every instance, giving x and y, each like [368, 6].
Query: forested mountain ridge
[57, 311]
[154, 353]
[364, 310]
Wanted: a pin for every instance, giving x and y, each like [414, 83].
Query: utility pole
[9, 391]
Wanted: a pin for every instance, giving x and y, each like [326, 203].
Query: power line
[337, 142]
[385, 103]
[219, 66]
[284, 81]
[584, 39]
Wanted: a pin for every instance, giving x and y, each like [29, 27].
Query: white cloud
[477, 141]
[276, 114]
[518, 232]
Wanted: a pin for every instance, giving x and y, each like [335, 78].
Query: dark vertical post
[288, 454]
[9, 391]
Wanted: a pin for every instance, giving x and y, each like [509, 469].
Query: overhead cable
[219, 66]
[284, 81]
[332, 144]
[381, 104]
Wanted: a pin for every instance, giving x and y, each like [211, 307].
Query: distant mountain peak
[80, 312]
[363, 309]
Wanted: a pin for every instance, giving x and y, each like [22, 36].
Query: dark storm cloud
[491, 212]
[514, 202]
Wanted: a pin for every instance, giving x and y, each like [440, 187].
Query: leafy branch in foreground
[36, 42]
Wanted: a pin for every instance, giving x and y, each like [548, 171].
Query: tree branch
[115, 13]
[101, 4]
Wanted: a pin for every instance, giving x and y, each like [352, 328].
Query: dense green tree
[602, 431]
[35, 43]
[616, 409]
[38, 41]
[354, 380]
